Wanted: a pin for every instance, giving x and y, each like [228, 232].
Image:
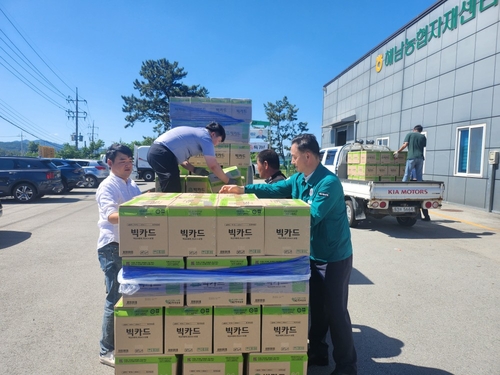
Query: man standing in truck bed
[415, 141]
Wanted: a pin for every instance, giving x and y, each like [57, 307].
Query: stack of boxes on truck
[213, 284]
[235, 116]
[370, 165]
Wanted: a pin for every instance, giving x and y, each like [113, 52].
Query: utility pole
[92, 134]
[22, 144]
[74, 114]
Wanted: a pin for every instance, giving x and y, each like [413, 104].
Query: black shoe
[317, 361]
[341, 372]
[427, 218]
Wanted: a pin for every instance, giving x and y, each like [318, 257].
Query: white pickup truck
[378, 199]
[142, 169]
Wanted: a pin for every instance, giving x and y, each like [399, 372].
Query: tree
[32, 149]
[69, 152]
[284, 126]
[162, 80]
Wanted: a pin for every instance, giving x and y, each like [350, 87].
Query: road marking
[462, 221]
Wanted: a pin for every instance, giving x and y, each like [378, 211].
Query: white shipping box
[278, 292]
[284, 329]
[192, 225]
[188, 330]
[212, 364]
[138, 331]
[236, 329]
[154, 295]
[215, 293]
[276, 363]
[240, 226]
[150, 365]
[287, 227]
[143, 225]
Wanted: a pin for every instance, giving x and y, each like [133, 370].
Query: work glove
[396, 154]
[200, 171]
[232, 181]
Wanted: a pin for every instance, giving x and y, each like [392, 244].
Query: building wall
[451, 82]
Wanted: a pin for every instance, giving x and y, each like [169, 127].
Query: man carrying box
[177, 145]
[331, 251]
[116, 189]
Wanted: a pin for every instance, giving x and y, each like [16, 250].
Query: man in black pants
[177, 145]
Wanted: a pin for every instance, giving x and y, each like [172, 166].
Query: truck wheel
[406, 221]
[353, 223]
[148, 176]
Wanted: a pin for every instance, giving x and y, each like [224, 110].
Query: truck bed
[411, 190]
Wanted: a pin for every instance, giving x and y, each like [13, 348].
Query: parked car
[27, 179]
[95, 171]
[72, 174]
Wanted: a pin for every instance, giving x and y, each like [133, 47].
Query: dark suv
[27, 179]
[72, 173]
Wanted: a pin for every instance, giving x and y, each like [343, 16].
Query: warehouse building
[442, 71]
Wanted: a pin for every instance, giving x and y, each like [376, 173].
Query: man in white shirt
[116, 189]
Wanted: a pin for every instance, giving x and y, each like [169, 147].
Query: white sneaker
[107, 359]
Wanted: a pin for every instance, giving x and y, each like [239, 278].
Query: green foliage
[70, 152]
[282, 116]
[162, 80]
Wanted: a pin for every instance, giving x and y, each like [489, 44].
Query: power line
[27, 61]
[16, 116]
[35, 50]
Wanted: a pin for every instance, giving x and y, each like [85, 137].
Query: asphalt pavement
[423, 300]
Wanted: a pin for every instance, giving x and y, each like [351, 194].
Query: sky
[261, 50]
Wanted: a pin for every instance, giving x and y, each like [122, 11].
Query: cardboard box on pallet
[138, 331]
[143, 225]
[369, 157]
[212, 364]
[353, 157]
[222, 152]
[231, 172]
[284, 329]
[221, 155]
[287, 224]
[197, 184]
[154, 295]
[401, 159]
[234, 114]
[150, 365]
[236, 329]
[215, 293]
[277, 293]
[352, 169]
[393, 170]
[382, 170]
[188, 330]
[192, 225]
[239, 155]
[276, 363]
[386, 158]
[240, 226]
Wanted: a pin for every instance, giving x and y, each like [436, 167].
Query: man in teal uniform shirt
[331, 251]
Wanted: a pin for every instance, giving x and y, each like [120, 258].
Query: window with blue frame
[470, 150]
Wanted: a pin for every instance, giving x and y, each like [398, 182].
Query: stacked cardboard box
[210, 320]
[234, 115]
[369, 165]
